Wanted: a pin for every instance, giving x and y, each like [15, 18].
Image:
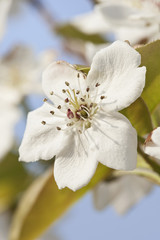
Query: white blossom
[84, 127]
[122, 193]
[4, 11]
[20, 73]
[9, 117]
[152, 144]
[134, 20]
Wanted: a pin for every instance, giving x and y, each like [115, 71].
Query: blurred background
[34, 33]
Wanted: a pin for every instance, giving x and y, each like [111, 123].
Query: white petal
[54, 78]
[123, 193]
[91, 23]
[133, 189]
[152, 145]
[116, 69]
[4, 12]
[116, 141]
[76, 166]
[104, 193]
[42, 141]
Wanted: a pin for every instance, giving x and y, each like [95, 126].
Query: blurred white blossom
[20, 74]
[133, 20]
[122, 193]
[84, 126]
[4, 11]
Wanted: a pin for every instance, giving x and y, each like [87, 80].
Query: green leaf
[139, 116]
[82, 68]
[13, 180]
[69, 31]
[150, 55]
[44, 203]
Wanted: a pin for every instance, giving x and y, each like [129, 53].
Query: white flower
[84, 127]
[9, 117]
[20, 73]
[135, 20]
[4, 11]
[122, 193]
[152, 144]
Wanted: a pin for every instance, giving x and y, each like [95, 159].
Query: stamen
[102, 97]
[63, 90]
[52, 112]
[59, 107]
[66, 100]
[77, 92]
[82, 99]
[58, 128]
[97, 85]
[45, 100]
[51, 93]
[43, 122]
[87, 89]
[78, 75]
[70, 114]
[69, 124]
[67, 83]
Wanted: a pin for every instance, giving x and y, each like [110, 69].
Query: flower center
[78, 108]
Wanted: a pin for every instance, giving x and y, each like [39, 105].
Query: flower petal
[116, 69]
[133, 189]
[76, 165]
[54, 78]
[91, 23]
[152, 144]
[116, 141]
[42, 140]
[123, 193]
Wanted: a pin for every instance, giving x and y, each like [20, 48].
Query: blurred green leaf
[44, 203]
[13, 180]
[150, 55]
[139, 116]
[69, 31]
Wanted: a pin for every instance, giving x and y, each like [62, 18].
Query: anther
[82, 99]
[59, 107]
[78, 75]
[102, 97]
[87, 89]
[66, 100]
[63, 90]
[45, 100]
[43, 122]
[52, 112]
[97, 85]
[67, 83]
[70, 124]
[77, 92]
[91, 105]
[51, 93]
[58, 128]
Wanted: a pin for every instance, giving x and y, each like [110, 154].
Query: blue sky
[82, 221]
